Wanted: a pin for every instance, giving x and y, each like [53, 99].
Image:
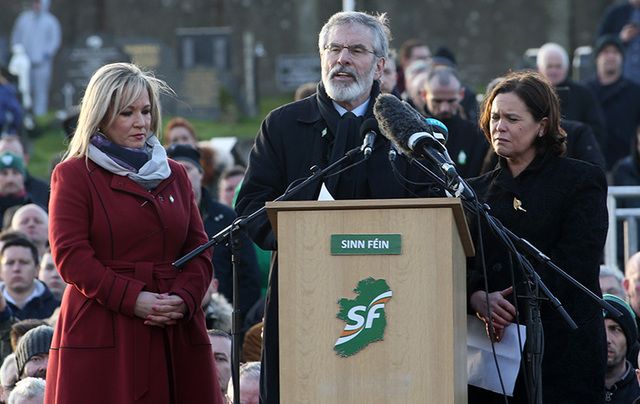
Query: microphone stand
[227, 233]
[535, 334]
[234, 243]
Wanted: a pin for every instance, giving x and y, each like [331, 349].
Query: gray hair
[9, 371]
[611, 271]
[379, 26]
[444, 75]
[27, 388]
[548, 48]
[415, 68]
[248, 371]
[218, 333]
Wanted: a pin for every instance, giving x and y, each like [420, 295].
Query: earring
[540, 133]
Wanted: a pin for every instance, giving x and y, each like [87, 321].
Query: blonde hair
[111, 89]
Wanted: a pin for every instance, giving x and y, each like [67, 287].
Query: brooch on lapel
[324, 132]
[517, 204]
[171, 198]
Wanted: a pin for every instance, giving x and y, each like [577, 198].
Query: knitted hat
[34, 342]
[10, 160]
[628, 319]
[184, 152]
[606, 40]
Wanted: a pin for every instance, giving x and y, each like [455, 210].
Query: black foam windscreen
[398, 121]
[369, 125]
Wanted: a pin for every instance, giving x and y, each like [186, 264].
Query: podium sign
[419, 355]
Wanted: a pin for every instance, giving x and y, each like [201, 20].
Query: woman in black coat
[559, 205]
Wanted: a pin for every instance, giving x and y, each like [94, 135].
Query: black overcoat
[563, 213]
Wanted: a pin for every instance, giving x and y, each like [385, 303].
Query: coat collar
[126, 184]
[504, 179]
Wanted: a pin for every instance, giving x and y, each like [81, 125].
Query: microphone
[408, 130]
[369, 129]
[439, 129]
[393, 152]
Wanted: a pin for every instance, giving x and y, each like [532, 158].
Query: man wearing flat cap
[620, 381]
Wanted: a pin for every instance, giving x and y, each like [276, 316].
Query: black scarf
[343, 134]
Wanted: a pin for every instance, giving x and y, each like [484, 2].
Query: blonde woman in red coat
[131, 329]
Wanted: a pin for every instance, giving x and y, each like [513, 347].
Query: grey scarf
[150, 174]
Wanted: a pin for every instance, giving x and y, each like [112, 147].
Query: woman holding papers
[559, 206]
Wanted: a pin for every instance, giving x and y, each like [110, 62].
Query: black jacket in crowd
[582, 143]
[625, 390]
[217, 217]
[562, 211]
[39, 307]
[578, 103]
[466, 145]
[615, 17]
[620, 102]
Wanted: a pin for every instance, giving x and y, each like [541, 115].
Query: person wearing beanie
[217, 216]
[12, 182]
[605, 40]
[619, 99]
[32, 353]
[622, 334]
[622, 19]
[36, 188]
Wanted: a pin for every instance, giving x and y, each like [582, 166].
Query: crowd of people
[85, 262]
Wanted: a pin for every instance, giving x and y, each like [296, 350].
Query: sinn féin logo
[364, 315]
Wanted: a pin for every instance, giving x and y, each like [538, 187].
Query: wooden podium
[422, 358]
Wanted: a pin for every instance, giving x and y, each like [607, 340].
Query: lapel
[125, 184]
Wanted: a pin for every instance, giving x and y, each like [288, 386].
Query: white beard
[341, 92]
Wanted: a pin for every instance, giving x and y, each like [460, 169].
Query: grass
[49, 140]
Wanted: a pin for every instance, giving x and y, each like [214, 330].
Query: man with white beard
[318, 131]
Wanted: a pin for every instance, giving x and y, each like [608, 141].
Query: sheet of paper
[481, 367]
[325, 195]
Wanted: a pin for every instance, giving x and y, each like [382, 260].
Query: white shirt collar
[37, 292]
[360, 110]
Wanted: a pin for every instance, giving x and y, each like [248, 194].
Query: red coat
[111, 239]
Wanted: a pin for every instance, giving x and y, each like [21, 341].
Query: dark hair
[541, 101]
[21, 327]
[232, 172]
[21, 242]
[304, 90]
[406, 49]
[11, 234]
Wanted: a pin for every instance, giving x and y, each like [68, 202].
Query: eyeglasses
[354, 50]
